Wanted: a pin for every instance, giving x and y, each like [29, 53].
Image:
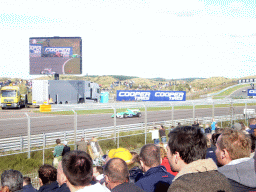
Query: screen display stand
[56, 76]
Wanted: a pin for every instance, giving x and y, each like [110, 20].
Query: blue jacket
[155, 179]
[28, 188]
[49, 187]
[62, 188]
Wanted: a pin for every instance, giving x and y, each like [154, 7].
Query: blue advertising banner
[251, 92]
[134, 95]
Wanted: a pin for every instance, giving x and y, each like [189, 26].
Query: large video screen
[55, 55]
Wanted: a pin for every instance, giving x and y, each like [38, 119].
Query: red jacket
[165, 163]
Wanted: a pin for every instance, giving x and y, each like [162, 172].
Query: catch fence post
[172, 115]
[146, 123]
[245, 114]
[114, 123]
[28, 135]
[75, 127]
[44, 144]
[194, 113]
[213, 109]
[21, 144]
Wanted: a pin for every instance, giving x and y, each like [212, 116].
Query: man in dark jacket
[27, 185]
[47, 178]
[155, 178]
[66, 148]
[233, 152]
[186, 151]
[117, 176]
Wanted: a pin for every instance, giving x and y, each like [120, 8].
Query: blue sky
[156, 38]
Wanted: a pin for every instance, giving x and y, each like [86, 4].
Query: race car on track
[128, 113]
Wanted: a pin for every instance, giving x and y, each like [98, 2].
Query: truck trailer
[64, 91]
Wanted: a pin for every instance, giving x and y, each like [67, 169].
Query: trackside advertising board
[134, 95]
[251, 92]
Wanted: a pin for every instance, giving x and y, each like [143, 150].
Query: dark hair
[47, 174]
[150, 155]
[215, 137]
[27, 180]
[58, 141]
[253, 139]
[189, 141]
[13, 179]
[117, 170]
[99, 169]
[77, 166]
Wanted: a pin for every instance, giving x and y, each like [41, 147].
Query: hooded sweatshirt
[242, 176]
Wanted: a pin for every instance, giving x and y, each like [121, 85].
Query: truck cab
[11, 97]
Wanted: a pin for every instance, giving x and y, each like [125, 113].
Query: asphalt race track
[38, 64]
[15, 122]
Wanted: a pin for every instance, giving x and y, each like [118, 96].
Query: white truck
[64, 91]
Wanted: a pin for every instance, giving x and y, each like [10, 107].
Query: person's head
[12, 180]
[61, 177]
[65, 143]
[253, 140]
[47, 174]
[209, 139]
[135, 157]
[97, 170]
[231, 145]
[58, 141]
[163, 152]
[252, 121]
[116, 172]
[161, 127]
[77, 167]
[186, 144]
[26, 181]
[150, 156]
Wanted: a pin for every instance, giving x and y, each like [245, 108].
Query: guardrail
[39, 142]
[36, 142]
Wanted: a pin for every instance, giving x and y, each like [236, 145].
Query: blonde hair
[236, 143]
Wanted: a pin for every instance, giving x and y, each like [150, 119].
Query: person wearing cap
[66, 148]
[124, 154]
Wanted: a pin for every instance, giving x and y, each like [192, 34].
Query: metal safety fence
[30, 132]
[36, 132]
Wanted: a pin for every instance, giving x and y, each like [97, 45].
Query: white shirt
[94, 188]
[155, 134]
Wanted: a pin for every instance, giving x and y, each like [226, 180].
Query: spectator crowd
[189, 158]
